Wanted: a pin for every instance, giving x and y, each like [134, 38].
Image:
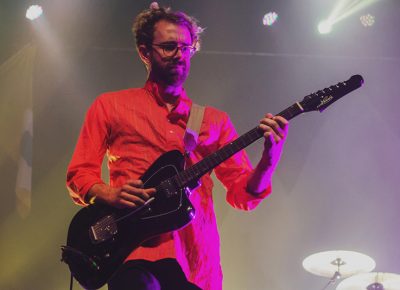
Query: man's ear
[144, 54]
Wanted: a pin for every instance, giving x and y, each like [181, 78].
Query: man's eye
[169, 47]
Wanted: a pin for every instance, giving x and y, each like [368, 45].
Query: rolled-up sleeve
[84, 169]
[235, 171]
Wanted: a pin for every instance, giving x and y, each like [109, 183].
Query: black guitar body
[100, 237]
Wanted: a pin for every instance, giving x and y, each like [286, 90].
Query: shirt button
[171, 131]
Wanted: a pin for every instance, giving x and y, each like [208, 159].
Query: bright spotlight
[34, 12]
[325, 27]
[344, 9]
[367, 20]
[270, 18]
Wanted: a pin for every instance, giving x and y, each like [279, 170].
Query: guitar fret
[211, 161]
[292, 111]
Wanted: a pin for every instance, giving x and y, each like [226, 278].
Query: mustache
[173, 61]
[176, 63]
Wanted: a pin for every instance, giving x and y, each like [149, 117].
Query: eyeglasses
[170, 49]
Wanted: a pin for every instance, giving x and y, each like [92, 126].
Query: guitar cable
[71, 249]
[71, 282]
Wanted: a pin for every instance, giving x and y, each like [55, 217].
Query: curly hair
[143, 27]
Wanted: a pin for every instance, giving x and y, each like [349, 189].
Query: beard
[171, 72]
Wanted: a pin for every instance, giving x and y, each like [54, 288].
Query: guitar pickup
[103, 230]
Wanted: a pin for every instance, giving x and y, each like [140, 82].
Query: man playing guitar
[134, 127]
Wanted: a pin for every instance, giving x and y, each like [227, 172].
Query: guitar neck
[213, 160]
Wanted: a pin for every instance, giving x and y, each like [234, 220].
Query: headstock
[320, 100]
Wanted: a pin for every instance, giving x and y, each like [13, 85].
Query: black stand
[336, 276]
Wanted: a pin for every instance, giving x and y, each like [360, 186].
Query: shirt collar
[182, 107]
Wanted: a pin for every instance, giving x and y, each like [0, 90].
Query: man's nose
[179, 53]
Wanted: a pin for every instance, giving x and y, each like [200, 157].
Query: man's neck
[169, 93]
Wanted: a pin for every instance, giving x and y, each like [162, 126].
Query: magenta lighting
[270, 18]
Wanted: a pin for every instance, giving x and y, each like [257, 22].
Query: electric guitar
[100, 237]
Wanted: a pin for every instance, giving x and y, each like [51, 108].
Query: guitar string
[211, 161]
[107, 223]
[198, 169]
[225, 152]
[195, 170]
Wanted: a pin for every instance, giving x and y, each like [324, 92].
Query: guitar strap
[193, 128]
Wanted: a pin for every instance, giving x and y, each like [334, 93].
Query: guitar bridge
[103, 230]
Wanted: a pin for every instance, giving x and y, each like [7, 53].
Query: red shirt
[133, 128]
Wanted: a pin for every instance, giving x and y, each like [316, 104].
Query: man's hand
[130, 195]
[275, 132]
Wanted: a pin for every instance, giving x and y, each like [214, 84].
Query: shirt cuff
[240, 198]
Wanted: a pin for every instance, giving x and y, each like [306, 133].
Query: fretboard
[197, 170]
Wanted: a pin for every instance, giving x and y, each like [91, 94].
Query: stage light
[270, 18]
[34, 12]
[324, 27]
[344, 9]
[367, 20]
